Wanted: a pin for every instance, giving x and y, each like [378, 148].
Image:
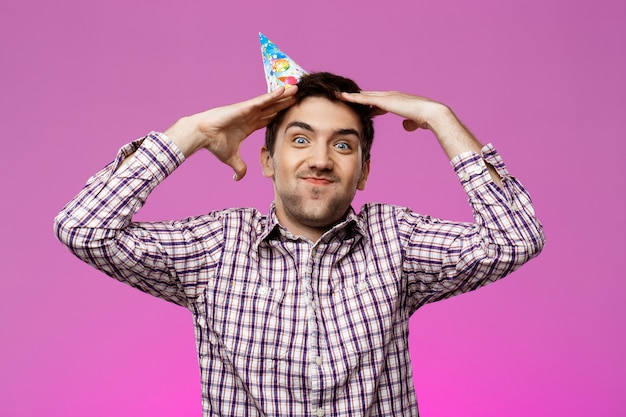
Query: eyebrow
[308, 127]
[301, 125]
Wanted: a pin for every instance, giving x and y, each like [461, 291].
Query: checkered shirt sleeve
[444, 258]
[158, 258]
[285, 326]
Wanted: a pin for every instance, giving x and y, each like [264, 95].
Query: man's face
[317, 165]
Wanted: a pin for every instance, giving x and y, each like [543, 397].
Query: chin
[321, 220]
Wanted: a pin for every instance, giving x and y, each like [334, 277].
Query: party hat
[280, 69]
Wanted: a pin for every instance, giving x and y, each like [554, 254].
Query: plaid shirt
[289, 327]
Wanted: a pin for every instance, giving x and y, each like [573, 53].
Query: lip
[317, 180]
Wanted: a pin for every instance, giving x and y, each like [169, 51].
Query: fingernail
[235, 176]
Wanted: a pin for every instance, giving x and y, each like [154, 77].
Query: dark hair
[328, 86]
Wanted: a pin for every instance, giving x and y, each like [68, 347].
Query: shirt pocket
[240, 319]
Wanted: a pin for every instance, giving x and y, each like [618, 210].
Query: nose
[320, 158]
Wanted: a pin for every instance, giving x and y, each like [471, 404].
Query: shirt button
[161, 158]
[147, 144]
[514, 206]
[262, 291]
[476, 169]
[320, 412]
[313, 305]
[464, 176]
[201, 322]
[362, 286]
[319, 360]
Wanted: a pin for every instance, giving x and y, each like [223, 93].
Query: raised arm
[422, 113]
[444, 258]
[221, 130]
[97, 224]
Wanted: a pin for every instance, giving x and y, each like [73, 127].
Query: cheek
[288, 164]
[357, 172]
[281, 173]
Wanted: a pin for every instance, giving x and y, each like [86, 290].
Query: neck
[309, 232]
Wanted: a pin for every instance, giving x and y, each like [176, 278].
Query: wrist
[452, 135]
[441, 119]
[185, 134]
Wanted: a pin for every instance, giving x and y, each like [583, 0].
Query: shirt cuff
[156, 153]
[472, 170]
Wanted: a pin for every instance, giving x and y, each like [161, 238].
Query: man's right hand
[221, 130]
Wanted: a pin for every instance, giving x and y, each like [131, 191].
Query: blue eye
[343, 146]
[300, 140]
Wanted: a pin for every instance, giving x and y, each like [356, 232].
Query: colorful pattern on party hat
[280, 69]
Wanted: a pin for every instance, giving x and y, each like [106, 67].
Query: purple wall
[542, 80]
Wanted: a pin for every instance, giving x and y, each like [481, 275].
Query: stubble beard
[315, 211]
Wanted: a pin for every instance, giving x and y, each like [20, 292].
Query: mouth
[318, 180]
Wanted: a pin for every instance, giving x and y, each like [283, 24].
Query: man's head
[317, 154]
[328, 86]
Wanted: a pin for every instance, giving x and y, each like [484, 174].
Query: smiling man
[304, 311]
[317, 164]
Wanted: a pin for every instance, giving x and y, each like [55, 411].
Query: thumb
[238, 165]
[410, 125]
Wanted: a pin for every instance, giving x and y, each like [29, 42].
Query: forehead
[322, 114]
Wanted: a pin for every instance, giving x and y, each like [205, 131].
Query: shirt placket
[313, 353]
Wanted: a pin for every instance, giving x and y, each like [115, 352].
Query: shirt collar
[348, 228]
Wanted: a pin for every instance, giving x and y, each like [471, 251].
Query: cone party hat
[280, 69]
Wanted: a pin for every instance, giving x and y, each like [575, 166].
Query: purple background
[543, 80]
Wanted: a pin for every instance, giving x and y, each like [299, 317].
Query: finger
[359, 98]
[369, 93]
[238, 165]
[259, 102]
[268, 114]
[282, 104]
[410, 125]
[274, 96]
[377, 111]
[262, 111]
[258, 117]
[265, 120]
[374, 99]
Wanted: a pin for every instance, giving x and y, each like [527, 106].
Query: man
[304, 311]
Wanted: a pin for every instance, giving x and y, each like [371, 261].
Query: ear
[365, 172]
[266, 163]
